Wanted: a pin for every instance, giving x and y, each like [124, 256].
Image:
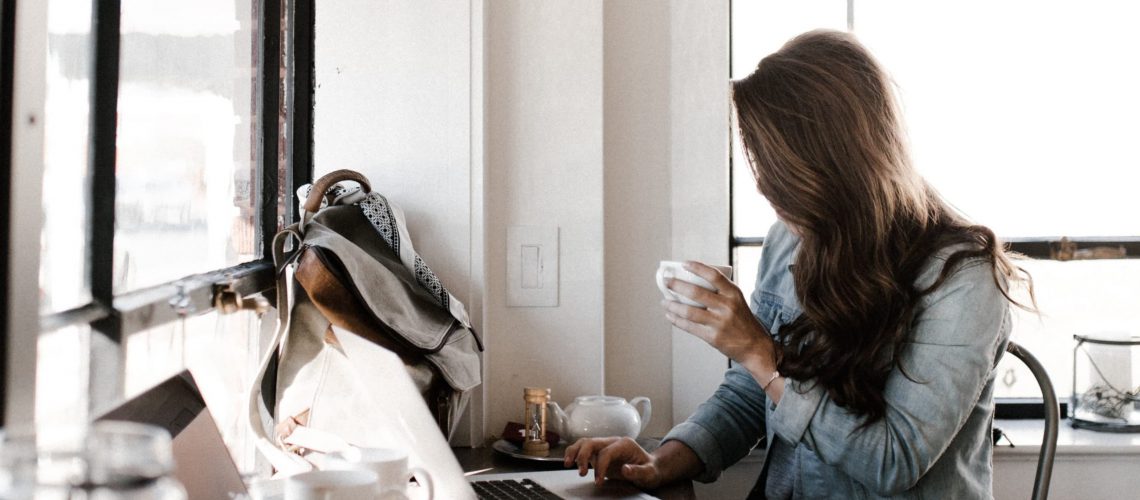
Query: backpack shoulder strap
[259, 416]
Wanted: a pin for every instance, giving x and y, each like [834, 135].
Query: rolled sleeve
[702, 442]
[726, 426]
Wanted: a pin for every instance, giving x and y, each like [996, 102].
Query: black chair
[1052, 421]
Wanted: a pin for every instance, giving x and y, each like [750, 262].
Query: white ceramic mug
[265, 488]
[331, 485]
[676, 270]
[390, 466]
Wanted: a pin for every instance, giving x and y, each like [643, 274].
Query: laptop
[206, 470]
[551, 484]
[406, 411]
[202, 462]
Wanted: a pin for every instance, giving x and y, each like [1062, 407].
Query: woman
[867, 360]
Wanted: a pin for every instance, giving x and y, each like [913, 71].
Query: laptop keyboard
[511, 489]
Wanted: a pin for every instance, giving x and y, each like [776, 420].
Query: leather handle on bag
[313, 202]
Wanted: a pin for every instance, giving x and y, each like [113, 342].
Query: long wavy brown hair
[820, 126]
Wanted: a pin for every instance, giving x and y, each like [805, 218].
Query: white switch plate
[532, 266]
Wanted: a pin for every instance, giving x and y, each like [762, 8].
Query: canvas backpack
[351, 266]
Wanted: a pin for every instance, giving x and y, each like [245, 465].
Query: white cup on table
[390, 466]
[331, 485]
[676, 270]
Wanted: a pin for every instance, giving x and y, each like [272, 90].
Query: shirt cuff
[795, 410]
[702, 442]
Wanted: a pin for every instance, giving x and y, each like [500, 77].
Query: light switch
[532, 266]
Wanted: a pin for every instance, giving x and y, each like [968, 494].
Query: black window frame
[7, 75]
[112, 317]
[1058, 248]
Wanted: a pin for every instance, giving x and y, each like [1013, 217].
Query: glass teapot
[600, 416]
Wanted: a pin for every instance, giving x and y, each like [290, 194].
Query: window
[174, 133]
[1023, 115]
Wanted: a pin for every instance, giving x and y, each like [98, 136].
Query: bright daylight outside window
[1022, 114]
[186, 202]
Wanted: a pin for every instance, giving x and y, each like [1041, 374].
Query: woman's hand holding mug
[725, 321]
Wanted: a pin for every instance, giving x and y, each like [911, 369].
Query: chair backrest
[1052, 421]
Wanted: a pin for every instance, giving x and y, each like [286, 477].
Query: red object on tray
[513, 433]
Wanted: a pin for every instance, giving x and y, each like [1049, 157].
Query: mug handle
[645, 412]
[424, 477]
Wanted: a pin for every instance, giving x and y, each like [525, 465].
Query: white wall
[582, 115]
[544, 166]
[610, 121]
[394, 101]
[699, 115]
[638, 214]
[666, 185]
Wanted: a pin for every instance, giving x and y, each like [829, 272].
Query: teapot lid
[599, 400]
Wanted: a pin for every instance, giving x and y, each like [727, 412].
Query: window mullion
[7, 56]
[301, 63]
[746, 241]
[270, 133]
[148, 308]
[102, 146]
[82, 315]
[105, 369]
[1048, 247]
[851, 16]
[151, 307]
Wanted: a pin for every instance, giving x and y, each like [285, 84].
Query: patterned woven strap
[388, 220]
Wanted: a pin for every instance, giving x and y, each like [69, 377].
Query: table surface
[484, 460]
[1027, 435]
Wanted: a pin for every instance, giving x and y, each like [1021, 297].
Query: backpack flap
[347, 245]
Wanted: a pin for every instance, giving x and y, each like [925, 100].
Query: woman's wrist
[771, 378]
[761, 362]
[675, 461]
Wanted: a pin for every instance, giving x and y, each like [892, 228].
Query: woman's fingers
[711, 275]
[582, 452]
[687, 312]
[698, 294]
[612, 457]
[726, 324]
[571, 452]
[585, 453]
[602, 464]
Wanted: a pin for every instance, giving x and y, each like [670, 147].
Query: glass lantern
[105, 461]
[1106, 383]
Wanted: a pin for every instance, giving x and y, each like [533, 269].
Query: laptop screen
[202, 462]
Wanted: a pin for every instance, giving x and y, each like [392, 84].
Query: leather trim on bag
[335, 268]
[320, 276]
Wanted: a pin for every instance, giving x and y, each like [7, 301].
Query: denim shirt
[934, 441]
